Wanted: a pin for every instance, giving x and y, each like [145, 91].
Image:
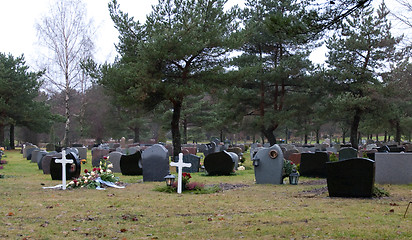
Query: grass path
[252, 212]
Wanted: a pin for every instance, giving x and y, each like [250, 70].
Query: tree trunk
[268, 133]
[317, 135]
[66, 140]
[306, 138]
[136, 131]
[385, 137]
[177, 107]
[354, 129]
[398, 132]
[287, 135]
[1, 134]
[377, 137]
[185, 130]
[12, 137]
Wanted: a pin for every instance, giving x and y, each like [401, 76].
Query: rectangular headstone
[393, 168]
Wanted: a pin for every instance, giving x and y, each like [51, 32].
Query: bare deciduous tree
[66, 33]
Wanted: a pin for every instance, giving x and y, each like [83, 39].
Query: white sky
[18, 18]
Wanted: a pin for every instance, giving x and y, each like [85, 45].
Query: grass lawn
[250, 211]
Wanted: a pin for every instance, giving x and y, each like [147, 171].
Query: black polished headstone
[190, 158]
[72, 170]
[351, 178]
[131, 164]
[347, 153]
[219, 163]
[314, 164]
[155, 162]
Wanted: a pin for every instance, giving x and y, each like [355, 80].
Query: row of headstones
[351, 176]
[46, 160]
[153, 162]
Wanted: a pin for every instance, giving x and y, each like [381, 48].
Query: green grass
[138, 212]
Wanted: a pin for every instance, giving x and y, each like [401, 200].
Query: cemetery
[257, 202]
[207, 120]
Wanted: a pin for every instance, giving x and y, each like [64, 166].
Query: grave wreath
[288, 167]
[93, 179]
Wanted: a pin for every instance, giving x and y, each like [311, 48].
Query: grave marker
[64, 161]
[179, 166]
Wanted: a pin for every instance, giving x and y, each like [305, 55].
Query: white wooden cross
[180, 165]
[63, 161]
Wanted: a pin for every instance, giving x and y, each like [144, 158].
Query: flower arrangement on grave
[83, 161]
[90, 178]
[186, 178]
[288, 167]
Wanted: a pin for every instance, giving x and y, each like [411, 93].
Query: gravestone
[46, 161]
[193, 160]
[39, 157]
[220, 163]
[238, 151]
[29, 152]
[179, 168]
[268, 165]
[131, 164]
[393, 168]
[155, 162]
[123, 142]
[353, 177]
[114, 158]
[82, 152]
[34, 154]
[131, 150]
[287, 155]
[27, 148]
[314, 164]
[295, 158]
[72, 169]
[347, 153]
[97, 154]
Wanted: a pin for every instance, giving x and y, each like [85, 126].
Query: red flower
[75, 181]
[98, 169]
[104, 170]
[94, 169]
[105, 158]
[85, 171]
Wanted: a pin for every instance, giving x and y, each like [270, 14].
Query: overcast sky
[18, 18]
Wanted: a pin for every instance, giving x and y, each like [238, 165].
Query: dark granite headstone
[155, 162]
[314, 164]
[46, 161]
[347, 153]
[190, 158]
[268, 165]
[114, 159]
[131, 164]
[82, 152]
[219, 163]
[351, 177]
[72, 170]
[39, 157]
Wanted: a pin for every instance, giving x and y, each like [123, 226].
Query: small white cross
[63, 161]
[180, 165]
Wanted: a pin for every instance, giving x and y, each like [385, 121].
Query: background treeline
[195, 70]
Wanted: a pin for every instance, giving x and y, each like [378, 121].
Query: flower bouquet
[97, 177]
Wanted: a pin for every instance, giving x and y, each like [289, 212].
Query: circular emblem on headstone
[273, 154]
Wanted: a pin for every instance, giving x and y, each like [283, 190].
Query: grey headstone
[114, 158]
[347, 153]
[46, 161]
[39, 157]
[26, 149]
[34, 155]
[82, 152]
[97, 154]
[268, 168]
[393, 168]
[130, 150]
[155, 161]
